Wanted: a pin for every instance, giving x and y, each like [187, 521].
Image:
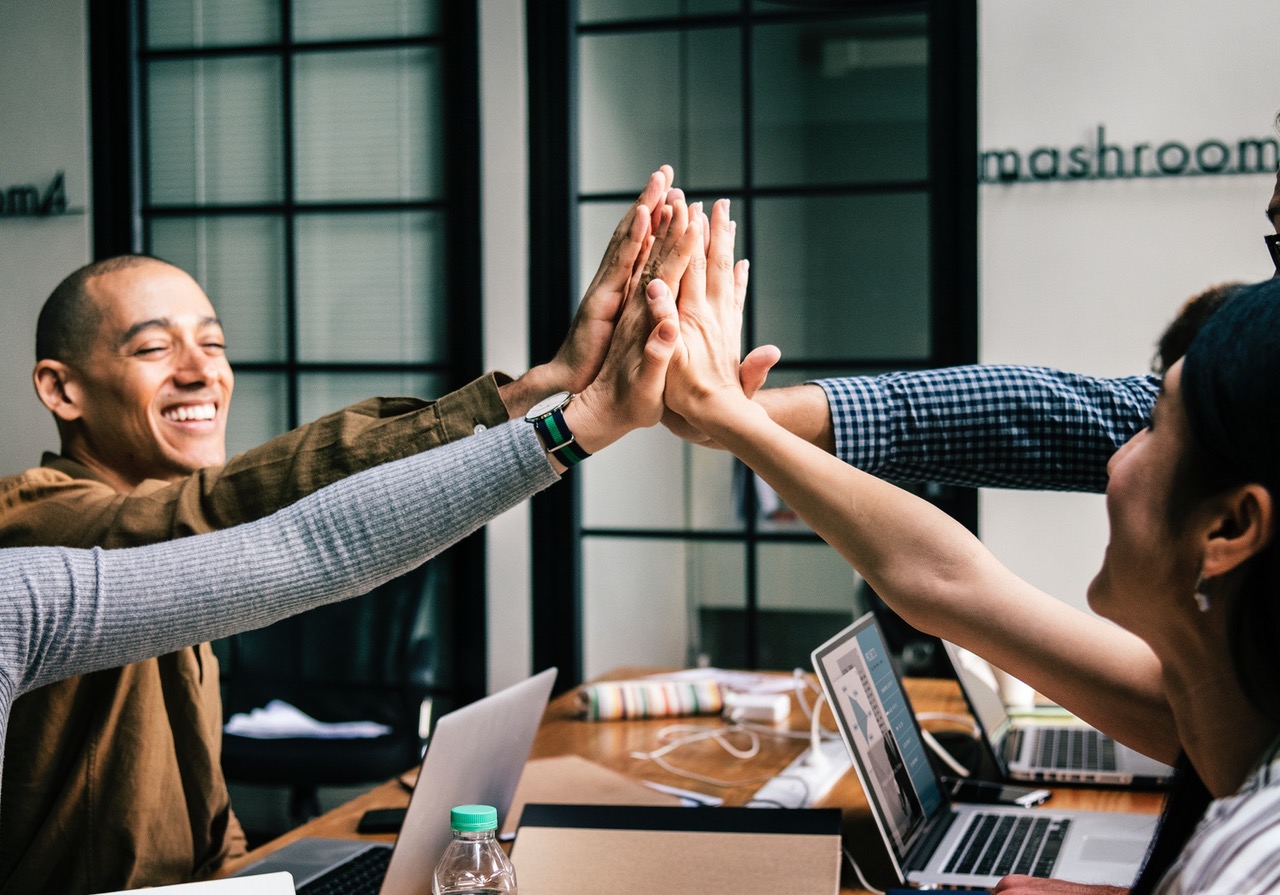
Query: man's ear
[1244, 524]
[55, 384]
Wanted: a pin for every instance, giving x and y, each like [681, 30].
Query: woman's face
[1149, 567]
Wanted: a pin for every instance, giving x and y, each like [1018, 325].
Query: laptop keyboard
[1068, 748]
[999, 844]
[362, 874]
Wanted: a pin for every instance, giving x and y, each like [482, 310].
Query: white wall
[504, 210]
[1084, 275]
[44, 127]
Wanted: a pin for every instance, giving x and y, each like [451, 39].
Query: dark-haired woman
[1190, 574]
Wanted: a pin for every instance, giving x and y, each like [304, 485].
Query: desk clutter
[695, 691]
[615, 700]
[593, 814]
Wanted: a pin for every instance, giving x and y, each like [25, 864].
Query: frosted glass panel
[843, 276]
[841, 102]
[369, 125]
[344, 20]
[635, 605]
[240, 263]
[214, 130]
[649, 99]
[614, 10]
[807, 576]
[806, 593]
[323, 393]
[371, 287]
[259, 410]
[173, 24]
[651, 479]
[717, 599]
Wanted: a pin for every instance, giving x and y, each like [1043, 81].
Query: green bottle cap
[470, 818]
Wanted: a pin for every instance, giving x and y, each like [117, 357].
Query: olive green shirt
[112, 780]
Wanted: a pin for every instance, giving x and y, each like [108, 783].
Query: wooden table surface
[610, 743]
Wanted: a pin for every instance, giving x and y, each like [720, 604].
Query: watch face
[546, 405]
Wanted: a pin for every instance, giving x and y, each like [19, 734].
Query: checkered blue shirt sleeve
[988, 426]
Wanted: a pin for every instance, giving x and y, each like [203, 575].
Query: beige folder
[587, 850]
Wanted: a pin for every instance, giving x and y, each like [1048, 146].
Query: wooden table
[611, 744]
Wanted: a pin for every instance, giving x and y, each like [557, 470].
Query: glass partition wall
[312, 163]
[844, 134]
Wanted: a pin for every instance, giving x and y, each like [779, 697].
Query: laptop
[930, 840]
[267, 884]
[475, 756]
[1061, 753]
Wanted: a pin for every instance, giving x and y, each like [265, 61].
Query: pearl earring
[1202, 598]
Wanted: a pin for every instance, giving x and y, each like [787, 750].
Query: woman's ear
[58, 390]
[1242, 526]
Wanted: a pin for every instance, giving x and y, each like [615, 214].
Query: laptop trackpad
[1114, 850]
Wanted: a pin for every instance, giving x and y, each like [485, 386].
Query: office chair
[373, 658]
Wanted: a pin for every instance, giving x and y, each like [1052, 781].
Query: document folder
[639, 850]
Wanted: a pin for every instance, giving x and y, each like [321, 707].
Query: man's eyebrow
[161, 323]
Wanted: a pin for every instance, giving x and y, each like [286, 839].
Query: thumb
[659, 348]
[662, 304]
[755, 368]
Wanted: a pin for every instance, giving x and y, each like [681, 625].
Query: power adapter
[762, 708]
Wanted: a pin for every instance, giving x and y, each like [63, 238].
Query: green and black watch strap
[559, 440]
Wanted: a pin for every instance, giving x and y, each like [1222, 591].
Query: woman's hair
[1231, 392]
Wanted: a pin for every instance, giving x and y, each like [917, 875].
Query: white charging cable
[693, 734]
[947, 758]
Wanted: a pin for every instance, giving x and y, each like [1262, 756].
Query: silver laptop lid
[475, 757]
[985, 704]
[881, 733]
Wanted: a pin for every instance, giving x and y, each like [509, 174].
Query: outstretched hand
[706, 374]
[627, 393]
[582, 353]
[585, 345]
[752, 375]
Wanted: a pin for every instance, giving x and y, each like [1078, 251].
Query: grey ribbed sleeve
[66, 612]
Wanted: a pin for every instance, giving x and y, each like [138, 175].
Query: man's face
[156, 385]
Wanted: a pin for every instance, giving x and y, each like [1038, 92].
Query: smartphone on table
[984, 792]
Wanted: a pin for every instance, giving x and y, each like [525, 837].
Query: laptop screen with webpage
[881, 732]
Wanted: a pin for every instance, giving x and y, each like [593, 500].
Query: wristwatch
[547, 417]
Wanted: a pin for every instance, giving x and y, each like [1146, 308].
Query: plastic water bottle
[474, 862]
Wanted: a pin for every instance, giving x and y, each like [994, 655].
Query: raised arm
[65, 612]
[987, 425]
[82, 610]
[999, 426]
[928, 567]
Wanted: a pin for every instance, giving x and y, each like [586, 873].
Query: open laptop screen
[876, 719]
[985, 703]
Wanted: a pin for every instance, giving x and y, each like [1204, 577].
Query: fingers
[721, 273]
[693, 279]
[672, 225]
[661, 344]
[627, 241]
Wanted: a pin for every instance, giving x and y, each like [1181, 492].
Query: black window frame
[952, 187]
